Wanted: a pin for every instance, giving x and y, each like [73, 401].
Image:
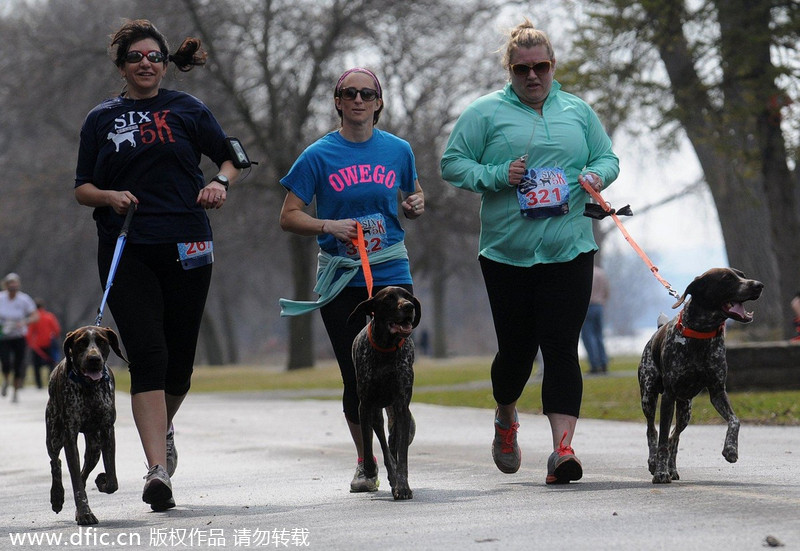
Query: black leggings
[12, 356]
[342, 335]
[540, 306]
[157, 306]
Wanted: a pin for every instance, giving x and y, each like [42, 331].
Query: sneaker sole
[365, 488]
[566, 472]
[507, 469]
[163, 506]
[157, 493]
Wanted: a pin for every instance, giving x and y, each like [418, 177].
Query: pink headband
[359, 70]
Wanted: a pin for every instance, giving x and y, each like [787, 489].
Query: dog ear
[680, 300]
[696, 287]
[67, 348]
[113, 340]
[417, 311]
[364, 309]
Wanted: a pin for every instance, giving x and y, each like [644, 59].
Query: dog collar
[379, 348]
[75, 378]
[692, 334]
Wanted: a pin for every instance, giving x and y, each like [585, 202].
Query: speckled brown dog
[82, 400]
[383, 354]
[687, 355]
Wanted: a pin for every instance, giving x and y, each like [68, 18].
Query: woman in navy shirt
[142, 150]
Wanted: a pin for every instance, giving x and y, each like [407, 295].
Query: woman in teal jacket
[524, 149]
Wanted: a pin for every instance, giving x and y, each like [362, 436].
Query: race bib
[195, 254]
[543, 192]
[374, 236]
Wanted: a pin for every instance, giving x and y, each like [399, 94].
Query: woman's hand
[413, 205]
[343, 230]
[212, 196]
[516, 170]
[594, 181]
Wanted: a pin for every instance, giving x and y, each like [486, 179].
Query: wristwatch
[222, 179]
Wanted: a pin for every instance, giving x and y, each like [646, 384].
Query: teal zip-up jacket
[497, 129]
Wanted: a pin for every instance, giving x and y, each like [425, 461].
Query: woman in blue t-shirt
[356, 174]
[142, 149]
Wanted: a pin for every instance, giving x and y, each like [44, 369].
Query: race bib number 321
[543, 192]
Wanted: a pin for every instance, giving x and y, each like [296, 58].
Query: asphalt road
[260, 471]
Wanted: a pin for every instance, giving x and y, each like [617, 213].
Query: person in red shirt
[43, 339]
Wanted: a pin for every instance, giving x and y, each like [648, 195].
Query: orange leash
[606, 207]
[362, 253]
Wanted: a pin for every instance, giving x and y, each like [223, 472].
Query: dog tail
[662, 319]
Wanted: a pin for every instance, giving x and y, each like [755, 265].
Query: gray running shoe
[172, 452]
[361, 483]
[562, 465]
[505, 450]
[158, 489]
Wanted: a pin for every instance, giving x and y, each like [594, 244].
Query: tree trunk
[301, 334]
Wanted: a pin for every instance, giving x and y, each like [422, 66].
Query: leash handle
[606, 207]
[361, 245]
[127, 223]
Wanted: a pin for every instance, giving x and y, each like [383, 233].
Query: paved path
[257, 471]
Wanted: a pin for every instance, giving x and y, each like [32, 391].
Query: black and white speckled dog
[383, 354]
[82, 400]
[687, 355]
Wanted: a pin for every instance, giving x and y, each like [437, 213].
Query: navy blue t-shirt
[152, 148]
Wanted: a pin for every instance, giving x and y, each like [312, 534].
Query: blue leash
[123, 236]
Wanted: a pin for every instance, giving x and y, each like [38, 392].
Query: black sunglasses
[153, 56]
[541, 68]
[350, 93]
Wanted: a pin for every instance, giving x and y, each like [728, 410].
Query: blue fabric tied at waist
[327, 288]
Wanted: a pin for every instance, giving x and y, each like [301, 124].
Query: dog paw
[674, 475]
[402, 493]
[105, 485]
[85, 519]
[57, 500]
[662, 478]
[731, 455]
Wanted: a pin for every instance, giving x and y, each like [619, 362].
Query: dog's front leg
[721, 402]
[83, 514]
[388, 455]
[662, 476]
[402, 425]
[107, 482]
[53, 441]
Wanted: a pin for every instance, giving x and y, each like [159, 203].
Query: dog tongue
[93, 375]
[737, 310]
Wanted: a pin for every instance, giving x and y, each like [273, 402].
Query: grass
[465, 382]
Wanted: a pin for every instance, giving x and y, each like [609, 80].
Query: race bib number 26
[195, 254]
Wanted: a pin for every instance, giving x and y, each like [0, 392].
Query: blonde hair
[525, 35]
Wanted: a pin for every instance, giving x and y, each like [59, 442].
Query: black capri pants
[157, 306]
[342, 335]
[542, 306]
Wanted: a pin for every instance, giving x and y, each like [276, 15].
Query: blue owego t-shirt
[360, 181]
[152, 148]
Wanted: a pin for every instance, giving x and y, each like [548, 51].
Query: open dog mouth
[93, 375]
[402, 328]
[736, 311]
